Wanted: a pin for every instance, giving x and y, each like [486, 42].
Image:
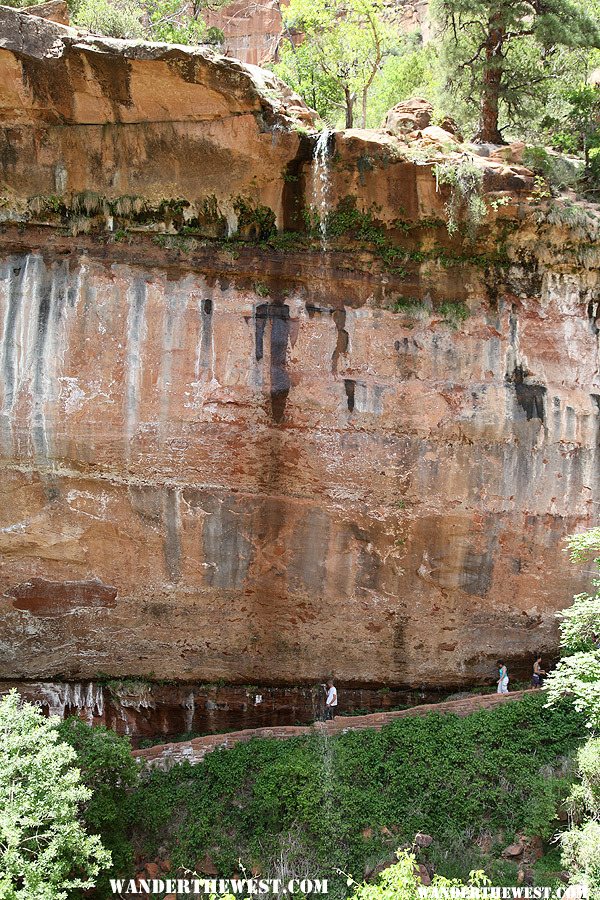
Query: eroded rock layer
[234, 448]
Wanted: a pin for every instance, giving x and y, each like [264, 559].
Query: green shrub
[114, 18]
[559, 173]
[410, 307]
[255, 222]
[454, 312]
[312, 799]
[110, 772]
[45, 853]
[465, 180]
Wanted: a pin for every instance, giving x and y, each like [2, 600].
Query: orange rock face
[269, 460]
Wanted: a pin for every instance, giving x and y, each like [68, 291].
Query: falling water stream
[321, 186]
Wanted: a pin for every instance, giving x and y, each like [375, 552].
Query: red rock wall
[233, 461]
[252, 29]
[164, 756]
[171, 509]
[170, 711]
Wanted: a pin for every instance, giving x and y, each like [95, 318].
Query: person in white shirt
[331, 701]
[503, 678]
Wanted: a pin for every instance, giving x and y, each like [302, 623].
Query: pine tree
[485, 45]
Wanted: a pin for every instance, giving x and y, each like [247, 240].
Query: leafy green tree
[115, 18]
[44, 851]
[171, 21]
[500, 52]
[343, 47]
[110, 772]
[409, 70]
[182, 21]
[577, 677]
[583, 123]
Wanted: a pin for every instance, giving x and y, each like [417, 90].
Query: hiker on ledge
[331, 701]
[538, 673]
[503, 678]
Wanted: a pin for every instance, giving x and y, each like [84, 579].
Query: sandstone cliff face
[234, 455]
[253, 29]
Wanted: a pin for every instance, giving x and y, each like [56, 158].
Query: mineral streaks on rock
[266, 528]
[230, 453]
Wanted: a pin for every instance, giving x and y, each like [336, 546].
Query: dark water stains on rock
[8, 149]
[279, 317]
[343, 339]
[172, 542]
[226, 547]
[135, 333]
[349, 387]
[49, 82]
[530, 397]
[51, 290]
[146, 502]
[144, 709]
[308, 563]
[294, 186]
[593, 311]
[477, 569]
[113, 74]
[53, 598]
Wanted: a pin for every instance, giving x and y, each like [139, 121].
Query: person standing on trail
[331, 701]
[503, 678]
[538, 673]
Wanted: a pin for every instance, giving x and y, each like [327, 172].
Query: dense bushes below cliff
[310, 805]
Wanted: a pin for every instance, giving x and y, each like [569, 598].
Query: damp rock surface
[238, 447]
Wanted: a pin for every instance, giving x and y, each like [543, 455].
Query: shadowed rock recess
[235, 451]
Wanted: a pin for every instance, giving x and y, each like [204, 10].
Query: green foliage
[577, 678]
[409, 70]
[254, 221]
[348, 221]
[465, 180]
[333, 68]
[585, 547]
[455, 312]
[581, 854]
[115, 18]
[23, 4]
[577, 675]
[549, 868]
[110, 772]
[499, 55]
[582, 129]
[400, 882]
[309, 799]
[410, 307]
[168, 21]
[172, 21]
[557, 172]
[44, 851]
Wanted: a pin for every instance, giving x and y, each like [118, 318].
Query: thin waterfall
[321, 186]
